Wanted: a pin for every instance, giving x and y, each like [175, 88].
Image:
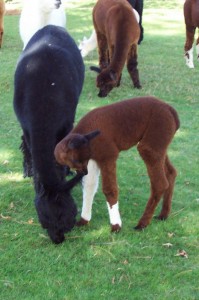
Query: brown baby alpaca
[102, 133]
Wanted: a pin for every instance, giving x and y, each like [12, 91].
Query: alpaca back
[46, 94]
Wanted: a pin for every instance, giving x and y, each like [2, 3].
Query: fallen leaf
[43, 236]
[8, 284]
[11, 205]
[167, 245]
[170, 234]
[5, 217]
[125, 262]
[182, 253]
[30, 221]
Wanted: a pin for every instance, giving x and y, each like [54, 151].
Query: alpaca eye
[75, 161]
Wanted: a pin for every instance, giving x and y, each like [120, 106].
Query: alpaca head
[55, 207]
[46, 6]
[74, 150]
[106, 80]
[56, 213]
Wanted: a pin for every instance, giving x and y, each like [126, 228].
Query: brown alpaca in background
[2, 12]
[94, 146]
[191, 17]
[118, 32]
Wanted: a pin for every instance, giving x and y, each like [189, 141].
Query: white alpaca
[87, 45]
[38, 13]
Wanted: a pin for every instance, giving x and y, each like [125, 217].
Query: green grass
[93, 263]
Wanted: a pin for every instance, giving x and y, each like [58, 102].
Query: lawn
[162, 261]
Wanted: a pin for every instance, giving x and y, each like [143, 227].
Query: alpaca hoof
[189, 58]
[139, 227]
[138, 86]
[160, 218]
[190, 66]
[118, 83]
[81, 222]
[115, 228]
[102, 94]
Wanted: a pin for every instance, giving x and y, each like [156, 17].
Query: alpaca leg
[103, 51]
[1, 38]
[110, 56]
[111, 51]
[167, 197]
[90, 185]
[114, 216]
[119, 80]
[27, 158]
[155, 166]
[190, 31]
[110, 190]
[132, 66]
[189, 58]
[2, 12]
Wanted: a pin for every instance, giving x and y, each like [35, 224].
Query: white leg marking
[114, 214]
[90, 185]
[189, 58]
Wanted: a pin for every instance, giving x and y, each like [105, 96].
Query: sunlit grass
[17, 177]
[5, 155]
[171, 22]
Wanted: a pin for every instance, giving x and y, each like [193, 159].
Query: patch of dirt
[12, 12]
[14, 7]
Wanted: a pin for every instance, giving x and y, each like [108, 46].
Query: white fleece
[38, 13]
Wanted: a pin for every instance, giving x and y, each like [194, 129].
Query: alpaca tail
[176, 117]
[95, 69]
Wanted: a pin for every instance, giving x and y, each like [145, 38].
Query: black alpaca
[138, 5]
[48, 82]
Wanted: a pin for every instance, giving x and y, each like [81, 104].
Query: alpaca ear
[96, 69]
[113, 75]
[81, 140]
[91, 135]
[77, 142]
